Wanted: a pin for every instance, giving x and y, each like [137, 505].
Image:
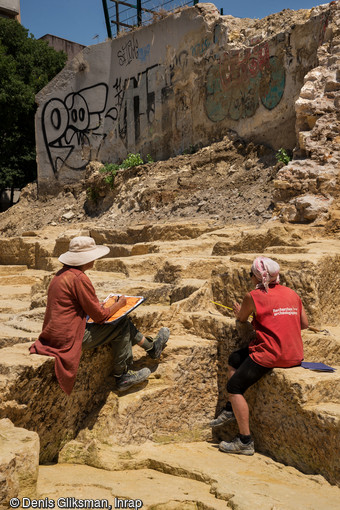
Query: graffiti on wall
[128, 109]
[136, 103]
[128, 52]
[136, 108]
[68, 124]
[140, 102]
[238, 81]
[144, 52]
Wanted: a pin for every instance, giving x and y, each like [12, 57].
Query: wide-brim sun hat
[82, 250]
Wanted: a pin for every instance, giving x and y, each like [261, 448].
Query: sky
[83, 21]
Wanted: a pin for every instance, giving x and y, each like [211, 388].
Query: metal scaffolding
[124, 15]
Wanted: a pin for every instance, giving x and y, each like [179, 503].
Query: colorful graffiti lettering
[200, 48]
[237, 83]
[67, 125]
[273, 84]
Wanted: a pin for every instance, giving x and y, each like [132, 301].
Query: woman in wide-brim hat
[83, 250]
[71, 298]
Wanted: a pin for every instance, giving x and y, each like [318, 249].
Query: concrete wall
[59, 44]
[179, 82]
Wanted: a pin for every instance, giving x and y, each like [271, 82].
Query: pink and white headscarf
[266, 271]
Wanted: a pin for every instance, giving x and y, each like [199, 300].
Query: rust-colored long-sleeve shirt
[71, 297]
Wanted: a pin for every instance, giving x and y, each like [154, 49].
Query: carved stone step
[269, 483]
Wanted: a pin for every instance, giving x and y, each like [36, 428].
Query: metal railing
[122, 15]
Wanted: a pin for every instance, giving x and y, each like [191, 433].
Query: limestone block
[303, 107]
[310, 207]
[278, 184]
[311, 186]
[192, 476]
[151, 233]
[332, 85]
[18, 250]
[44, 407]
[315, 74]
[308, 91]
[287, 402]
[326, 185]
[257, 241]
[63, 240]
[196, 301]
[68, 215]
[19, 462]
[9, 484]
[323, 345]
[289, 213]
[172, 405]
[277, 419]
[303, 139]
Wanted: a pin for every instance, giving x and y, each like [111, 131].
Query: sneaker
[159, 343]
[236, 446]
[222, 418]
[130, 378]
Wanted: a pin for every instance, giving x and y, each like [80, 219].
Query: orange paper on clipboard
[131, 303]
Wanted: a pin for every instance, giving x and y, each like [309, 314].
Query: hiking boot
[159, 343]
[236, 446]
[131, 377]
[222, 418]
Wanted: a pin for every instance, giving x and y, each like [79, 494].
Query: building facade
[10, 9]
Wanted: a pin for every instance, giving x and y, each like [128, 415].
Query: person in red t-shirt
[71, 297]
[278, 317]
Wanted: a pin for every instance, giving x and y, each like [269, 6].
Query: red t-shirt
[71, 297]
[278, 341]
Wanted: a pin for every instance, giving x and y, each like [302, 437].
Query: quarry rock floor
[187, 476]
[152, 443]
[182, 233]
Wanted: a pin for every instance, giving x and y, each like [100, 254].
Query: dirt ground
[229, 181]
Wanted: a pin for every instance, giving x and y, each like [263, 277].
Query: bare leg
[241, 411]
[141, 342]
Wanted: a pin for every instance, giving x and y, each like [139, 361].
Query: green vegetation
[110, 169]
[132, 160]
[26, 66]
[92, 194]
[283, 156]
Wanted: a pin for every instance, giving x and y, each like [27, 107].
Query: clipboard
[131, 303]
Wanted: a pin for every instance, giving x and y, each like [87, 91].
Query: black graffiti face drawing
[67, 125]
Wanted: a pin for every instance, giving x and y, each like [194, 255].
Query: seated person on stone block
[71, 297]
[278, 317]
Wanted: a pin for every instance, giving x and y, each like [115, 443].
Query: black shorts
[247, 371]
